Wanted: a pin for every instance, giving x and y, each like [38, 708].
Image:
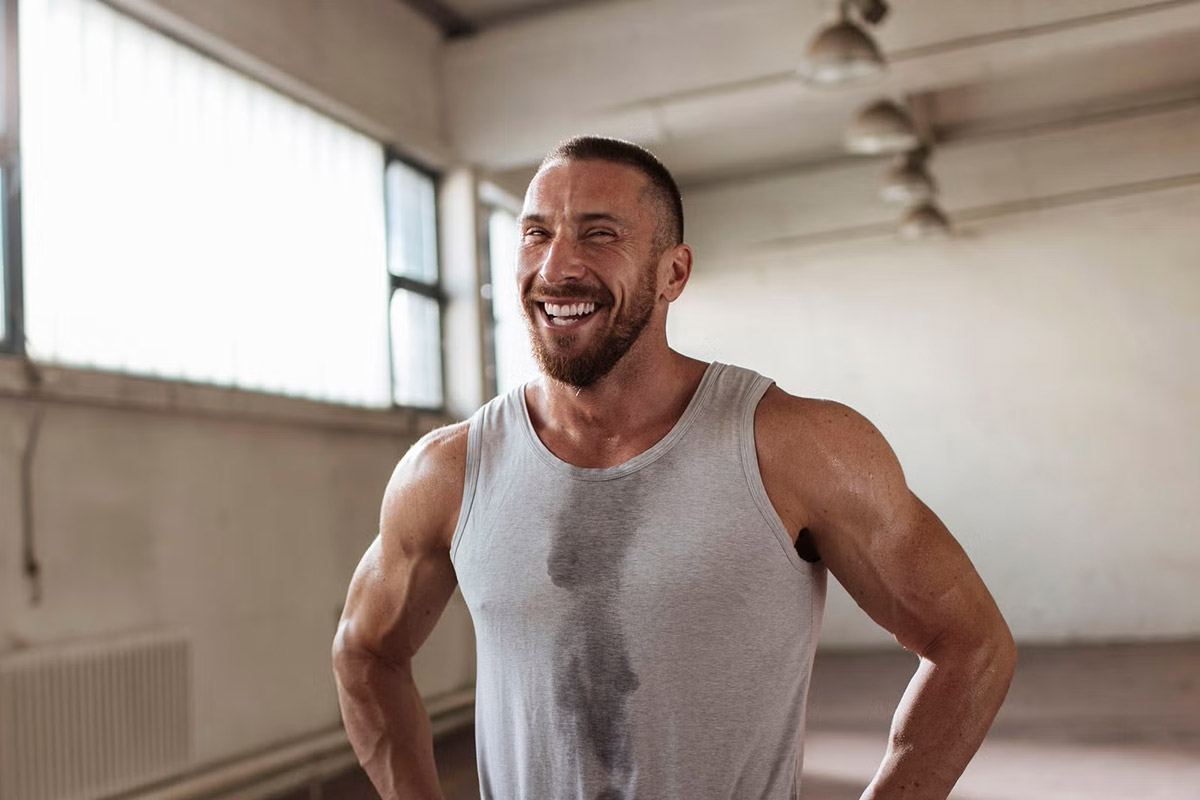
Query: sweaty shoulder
[810, 450]
[424, 494]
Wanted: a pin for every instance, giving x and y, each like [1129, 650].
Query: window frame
[402, 283]
[13, 340]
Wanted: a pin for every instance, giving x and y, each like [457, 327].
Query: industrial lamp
[882, 128]
[924, 221]
[843, 52]
[907, 182]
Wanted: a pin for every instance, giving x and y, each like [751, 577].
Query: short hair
[618, 151]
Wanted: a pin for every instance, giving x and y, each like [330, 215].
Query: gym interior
[281, 250]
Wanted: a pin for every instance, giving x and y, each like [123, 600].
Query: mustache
[544, 291]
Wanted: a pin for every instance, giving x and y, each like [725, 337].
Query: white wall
[231, 518]
[1037, 375]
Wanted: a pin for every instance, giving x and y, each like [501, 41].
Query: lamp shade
[907, 182]
[882, 128]
[925, 221]
[842, 53]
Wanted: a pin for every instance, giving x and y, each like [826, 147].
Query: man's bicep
[913, 578]
[393, 605]
[890, 551]
[406, 578]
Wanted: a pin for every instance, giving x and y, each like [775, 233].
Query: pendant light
[842, 53]
[882, 128]
[924, 221]
[907, 182]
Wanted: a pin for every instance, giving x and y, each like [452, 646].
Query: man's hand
[398, 592]
[828, 470]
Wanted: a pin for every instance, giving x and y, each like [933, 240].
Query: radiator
[82, 722]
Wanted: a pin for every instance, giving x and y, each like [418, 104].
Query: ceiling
[711, 85]
[467, 17]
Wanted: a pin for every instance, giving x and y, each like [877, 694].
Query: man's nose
[562, 262]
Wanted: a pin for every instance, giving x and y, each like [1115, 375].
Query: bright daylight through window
[7, 160]
[416, 307]
[514, 361]
[184, 221]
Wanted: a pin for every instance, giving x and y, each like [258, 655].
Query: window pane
[412, 223]
[416, 350]
[182, 220]
[4, 65]
[514, 359]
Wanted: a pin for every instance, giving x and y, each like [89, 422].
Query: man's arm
[829, 470]
[397, 593]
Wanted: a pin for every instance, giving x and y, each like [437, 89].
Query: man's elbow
[351, 660]
[1004, 654]
[986, 653]
[342, 654]
[356, 661]
[991, 656]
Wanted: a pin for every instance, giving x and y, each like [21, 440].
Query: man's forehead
[594, 186]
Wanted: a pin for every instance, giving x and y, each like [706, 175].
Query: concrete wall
[233, 518]
[1037, 374]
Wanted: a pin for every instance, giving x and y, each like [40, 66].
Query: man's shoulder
[817, 456]
[440, 448]
[799, 413]
[426, 485]
[809, 416]
[815, 431]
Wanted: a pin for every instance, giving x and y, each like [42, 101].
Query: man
[642, 541]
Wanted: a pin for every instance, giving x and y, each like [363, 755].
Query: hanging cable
[30, 564]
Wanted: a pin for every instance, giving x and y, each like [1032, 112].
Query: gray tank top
[644, 632]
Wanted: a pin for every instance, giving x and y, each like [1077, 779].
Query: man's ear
[675, 267]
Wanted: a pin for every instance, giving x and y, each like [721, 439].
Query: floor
[1094, 723]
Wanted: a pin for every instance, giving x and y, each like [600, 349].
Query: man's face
[587, 267]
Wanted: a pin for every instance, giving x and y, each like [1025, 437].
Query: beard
[582, 369]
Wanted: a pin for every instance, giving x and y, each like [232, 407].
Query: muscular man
[642, 540]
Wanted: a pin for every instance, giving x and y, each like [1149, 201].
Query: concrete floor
[1089, 722]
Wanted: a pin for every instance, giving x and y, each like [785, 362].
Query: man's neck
[623, 414]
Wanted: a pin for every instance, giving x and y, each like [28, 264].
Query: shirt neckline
[643, 459]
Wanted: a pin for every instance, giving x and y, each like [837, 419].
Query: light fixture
[907, 182]
[924, 221]
[882, 128]
[843, 52]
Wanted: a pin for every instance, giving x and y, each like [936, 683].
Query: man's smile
[567, 314]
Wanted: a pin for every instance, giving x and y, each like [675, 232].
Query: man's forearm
[388, 726]
[941, 721]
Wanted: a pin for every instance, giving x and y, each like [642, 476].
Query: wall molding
[31, 383]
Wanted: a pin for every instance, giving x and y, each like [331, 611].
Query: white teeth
[570, 310]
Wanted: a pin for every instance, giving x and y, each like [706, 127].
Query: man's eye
[594, 234]
[535, 232]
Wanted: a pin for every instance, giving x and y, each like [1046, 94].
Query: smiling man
[643, 540]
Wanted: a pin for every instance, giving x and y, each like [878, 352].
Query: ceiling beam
[452, 24]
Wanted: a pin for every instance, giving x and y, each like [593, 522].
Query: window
[416, 305]
[10, 206]
[184, 221]
[514, 363]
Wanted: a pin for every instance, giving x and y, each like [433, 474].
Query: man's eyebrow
[590, 216]
[600, 216]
